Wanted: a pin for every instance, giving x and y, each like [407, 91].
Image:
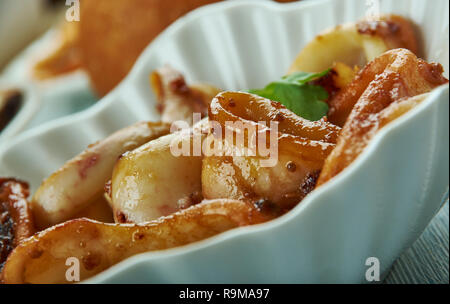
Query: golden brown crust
[16, 221]
[355, 44]
[110, 47]
[396, 31]
[302, 147]
[239, 106]
[42, 258]
[413, 75]
[392, 77]
[99, 46]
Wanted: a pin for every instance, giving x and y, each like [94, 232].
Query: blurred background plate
[59, 96]
[28, 104]
[21, 22]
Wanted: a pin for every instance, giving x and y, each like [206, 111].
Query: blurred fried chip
[62, 56]
[114, 33]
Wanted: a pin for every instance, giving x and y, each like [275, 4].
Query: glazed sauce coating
[16, 221]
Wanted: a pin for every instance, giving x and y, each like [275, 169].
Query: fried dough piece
[355, 44]
[302, 149]
[178, 101]
[65, 56]
[81, 180]
[110, 47]
[379, 92]
[97, 246]
[16, 220]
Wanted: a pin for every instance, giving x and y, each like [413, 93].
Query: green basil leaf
[296, 93]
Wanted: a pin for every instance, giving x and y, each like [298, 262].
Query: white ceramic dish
[376, 208]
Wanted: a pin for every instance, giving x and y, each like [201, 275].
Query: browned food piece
[396, 31]
[80, 182]
[240, 106]
[98, 246]
[114, 33]
[10, 103]
[65, 55]
[355, 44]
[98, 209]
[152, 181]
[397, 68]
[302, 149]
[279, 188]
[338, 78]
[177, 100]
[377, 95]
[16, 221]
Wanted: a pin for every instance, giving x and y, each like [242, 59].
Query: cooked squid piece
[80, 182]
[379, 94]
[98, 246]
[339, 76]
[393, 75]
[16, 220]
[355, 44]
[245, 107]
[157, 179]
[302, 147]
[178, 101]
